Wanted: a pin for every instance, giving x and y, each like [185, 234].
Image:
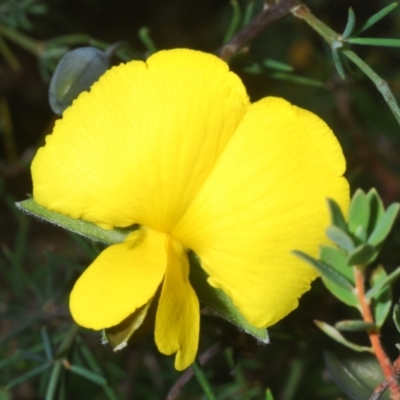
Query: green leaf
[351, 325]
[351, 20]
[396, 316]
[29, 375]
[377, 17]
[79, 226]
[384, 225]
[268, 395]
[298, 79]
[89, 375]
[133, 327]
[373, 292]
[382, 297]
[362, 255]
[48, 348]
[217, 300]
[336, 258]
[375, 42]
[338, 63]
[234, 22]
[337, 218]
[356, 374]
[377, 210]
[327, 272]
[338, 337]
[359, 211]
[278, 65]
[340, 237]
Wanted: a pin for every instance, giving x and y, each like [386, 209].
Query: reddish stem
[380, 354]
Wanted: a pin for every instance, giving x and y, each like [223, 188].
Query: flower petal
[139, 145]
[265, 198]
[123, 278]
[178, 315]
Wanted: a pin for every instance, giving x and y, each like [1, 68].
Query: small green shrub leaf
[382, 297]
[338, 337]
[377, 210]
[362, 255]
[377, 17]
[396, 316]
[337, 218]
[384, 225]
[353, 325]
[340, 238]
[359, 211]
[351, 20]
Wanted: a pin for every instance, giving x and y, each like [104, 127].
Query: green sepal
[362, 255]
[337, 218]
[338, 337]
[336, 258]
[382, 297]
[384, 225]
[340, 238]
[214, 298]
[217, 300]
[359, 211]
[84, 228]
[352, 325]
[396, 316]
[326, 271]
[132, 328]
[356, 374]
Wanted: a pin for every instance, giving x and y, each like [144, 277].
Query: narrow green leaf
[54, 380]
[353, 325]
[326, 271]
[89, 375]
[351, 20]
[217, 300]
[298, 79]
[384, 225]
[383, 297]
[338, 337]
[340, 237]
[377, 17]
[79, 226]
[268, 395]
[337, 218]
[377, 210]
[29, 375]
[248, 13]
[356, 374]
[278, 65]
[362, 255]
[338, 63]
[396, 316]
[359, 211]
[147, 40]
[387, 42]
[378, 286]
[47, 343]
[234, 22]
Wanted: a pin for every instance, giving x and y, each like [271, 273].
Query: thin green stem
[380, 84]
[34, 46]
[203, 381]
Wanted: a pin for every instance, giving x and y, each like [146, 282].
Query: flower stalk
[373, 334]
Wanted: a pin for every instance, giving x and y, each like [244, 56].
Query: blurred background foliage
[39, 263]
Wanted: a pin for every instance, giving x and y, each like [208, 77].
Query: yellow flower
[175, 145]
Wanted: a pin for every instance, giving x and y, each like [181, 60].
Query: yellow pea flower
[175, 145]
